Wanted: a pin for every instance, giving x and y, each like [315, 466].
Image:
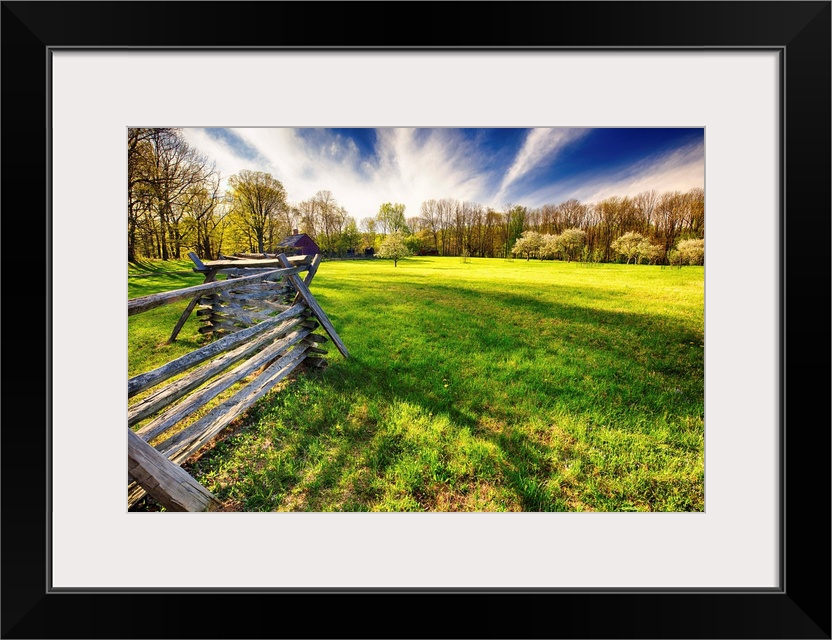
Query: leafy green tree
[391, 218]
[258, 201]
[674, 258]
[514, 221]
[350, 236]
[393, 246]
[369, 232]
[163, 173]
[416, 242]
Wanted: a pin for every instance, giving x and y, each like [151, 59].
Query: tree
[393, 246]
[368, 232]
[571, 242]
[628, 245]
[331, 219]
[417, 242]
[391, 217]
[258, 200]
[163, 175]
[350, 237]
[527, 244]
[550, 246]
[645, 204]
[514, 221]
[138, 157]
[670, 211]
[651, 253]
[692, 251]
[430, 220]
[206, 215]
[674, 258]
[694, 217]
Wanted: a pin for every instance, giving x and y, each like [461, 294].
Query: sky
[365, 167]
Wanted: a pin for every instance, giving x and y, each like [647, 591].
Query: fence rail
[262, 328]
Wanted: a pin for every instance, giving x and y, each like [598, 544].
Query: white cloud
[411, 166]
[227, 159]
[678, 170]
[540, 146]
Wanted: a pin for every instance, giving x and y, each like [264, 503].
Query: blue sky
[365, 167]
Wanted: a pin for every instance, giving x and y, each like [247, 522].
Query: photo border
[798, 30]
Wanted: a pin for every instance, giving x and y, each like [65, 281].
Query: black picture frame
[800, 608]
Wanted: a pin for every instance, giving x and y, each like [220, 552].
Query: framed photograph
[752, 77]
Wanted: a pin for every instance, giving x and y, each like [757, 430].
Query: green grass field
[491, 385]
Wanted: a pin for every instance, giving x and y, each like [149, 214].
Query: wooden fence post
[169, 483]
[303, 291]
[209, 277]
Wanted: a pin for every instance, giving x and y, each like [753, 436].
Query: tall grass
[486, 385]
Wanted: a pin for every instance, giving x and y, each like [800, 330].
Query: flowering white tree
[692, 251]
[550, 247]
[527, 244]
[571, 242]
[649, 252]
[393, 246]
[628, 245]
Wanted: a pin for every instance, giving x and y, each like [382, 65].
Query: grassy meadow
[486, 385]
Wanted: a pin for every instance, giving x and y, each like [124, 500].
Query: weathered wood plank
[257, 297]
[210, 276]
[313, 349]
[316, 338]
[251, 270]
[218, 326]
[260, 311]
[171, 485]
[198, 399]
[143, 381]
[195, 259]
[145, 303]
[182, 445]
[245, 263]
[313, 269]
[304, 292]
[233, 312]
[187, 383]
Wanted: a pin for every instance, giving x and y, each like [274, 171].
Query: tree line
[569, 230]
[176, 204]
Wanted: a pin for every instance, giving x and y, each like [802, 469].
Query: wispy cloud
[678, 170]
[408, 166]
[539, 147]
[414, 165]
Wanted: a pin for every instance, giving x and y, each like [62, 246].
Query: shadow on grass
[480, 372]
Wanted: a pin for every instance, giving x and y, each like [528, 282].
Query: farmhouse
[298, 244]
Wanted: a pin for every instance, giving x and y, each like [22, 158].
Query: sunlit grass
[492, 385]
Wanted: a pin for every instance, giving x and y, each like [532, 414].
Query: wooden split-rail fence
[261, 320]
